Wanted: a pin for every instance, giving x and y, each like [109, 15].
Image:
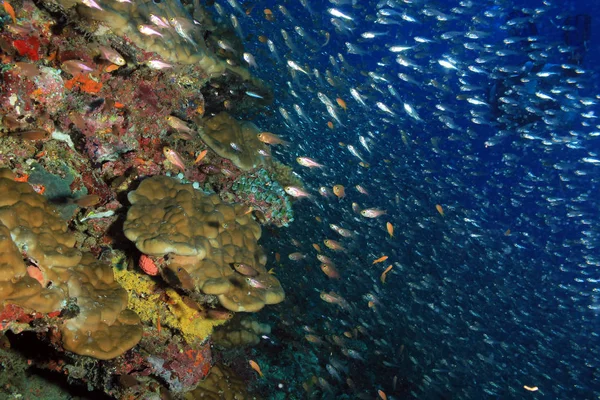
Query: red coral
[189, 366]
[29, 47]
[84, 83]
[12, 312]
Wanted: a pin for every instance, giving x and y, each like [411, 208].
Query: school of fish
[447, 239]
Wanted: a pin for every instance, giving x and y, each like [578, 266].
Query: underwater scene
[301, 199]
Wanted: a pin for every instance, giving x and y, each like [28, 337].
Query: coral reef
[211, 246]
[56, 272]
[221, 384]
[166, 308]
[237, 141]
[258, 190]
[285, 176]
[241, 332]
[185, 44]
[86, 116]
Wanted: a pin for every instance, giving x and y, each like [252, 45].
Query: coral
[57, 186]
[189, 321]
[185, 47]
[50, 89]
[205, 240]
[258, 190]
[103, 327]
[149, 301]
[143, 295]
[84, 83]
[241, 333]
[28, 48]
[237, 141]
[181, 368]
[285, 175]
[220, 384]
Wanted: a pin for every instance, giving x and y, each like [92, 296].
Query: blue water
[500, 292]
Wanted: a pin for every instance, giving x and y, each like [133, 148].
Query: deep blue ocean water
[499, 294]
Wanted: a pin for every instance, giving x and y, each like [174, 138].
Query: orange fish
[330, 271]
[271, 138]
[200, 156]
[10, 11]
[255, 367]
[507, 232]
[333, 245]
[317, 247]
[439, 209]
[263, 39]
[330, 124]
[390, 229]
[269, 15]
[341, 103]
[384, 274]
[111, 68]
[382, 395]
[339, 191]
[277, 257]
[380, 259]
[318, 219]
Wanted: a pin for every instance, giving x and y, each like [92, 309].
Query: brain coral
[211, 244]
[40, 270]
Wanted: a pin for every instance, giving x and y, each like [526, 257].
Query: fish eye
[157, 1]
